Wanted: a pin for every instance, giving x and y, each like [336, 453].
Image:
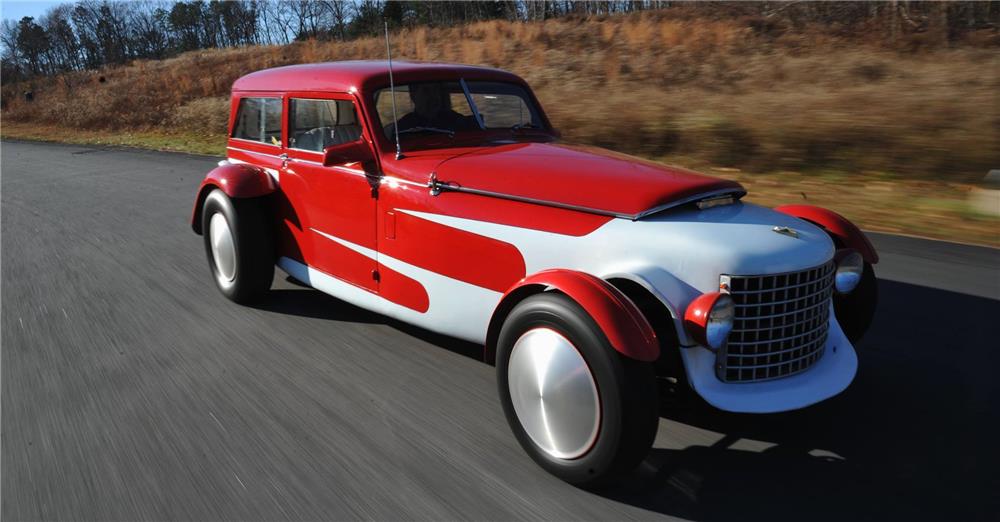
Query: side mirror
[354, 152]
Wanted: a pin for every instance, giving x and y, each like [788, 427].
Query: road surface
[132, 390]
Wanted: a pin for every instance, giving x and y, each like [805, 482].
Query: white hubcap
[223, 250]
[554, 393]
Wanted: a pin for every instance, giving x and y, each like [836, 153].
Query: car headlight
[709, 319]
[850, 267]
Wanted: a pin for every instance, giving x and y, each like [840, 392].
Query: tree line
[90, 34]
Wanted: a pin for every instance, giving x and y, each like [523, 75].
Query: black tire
[626, 389]
[253, 243]
[856, 310]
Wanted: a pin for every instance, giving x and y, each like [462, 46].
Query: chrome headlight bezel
[850, 268]
[709, 319]
[720, 322]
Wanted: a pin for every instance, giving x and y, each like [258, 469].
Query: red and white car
[449, 203]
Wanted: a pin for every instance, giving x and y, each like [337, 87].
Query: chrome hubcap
[554, 393]
[223, 250]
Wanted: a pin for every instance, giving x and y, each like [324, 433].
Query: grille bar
[780, 326]
[787, 301]
[784, 288]
[797, 359]
[779, 352]
[790, 337]
[760, 317]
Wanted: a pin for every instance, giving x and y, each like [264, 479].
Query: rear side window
[259, 119]
[317, 124]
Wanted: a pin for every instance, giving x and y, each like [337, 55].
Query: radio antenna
[392, 92]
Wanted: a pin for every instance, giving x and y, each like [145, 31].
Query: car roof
[362, 75]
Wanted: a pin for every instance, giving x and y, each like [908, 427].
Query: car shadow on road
[306, 302]
[295, 298]
[912, 438]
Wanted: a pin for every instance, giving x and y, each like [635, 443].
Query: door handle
[284, 160]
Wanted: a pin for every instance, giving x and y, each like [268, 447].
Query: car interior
[318, 124]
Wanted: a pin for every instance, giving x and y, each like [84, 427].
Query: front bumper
[830, 375]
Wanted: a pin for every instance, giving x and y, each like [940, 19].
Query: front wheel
[581, 410]
[238, 245]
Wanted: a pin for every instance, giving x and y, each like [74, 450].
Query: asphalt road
[132, 390]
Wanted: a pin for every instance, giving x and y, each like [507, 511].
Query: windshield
[443, 107]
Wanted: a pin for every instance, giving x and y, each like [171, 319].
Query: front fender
[237, 181]
[839, 228]
[673, 293]
[622, 323]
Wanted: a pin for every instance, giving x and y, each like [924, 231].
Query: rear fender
[840, 228]
[237, 181]
[622, 323]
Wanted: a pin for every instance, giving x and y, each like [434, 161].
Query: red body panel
[403, 290]
[457, 254]
[623, 324]
[584, 177]
[240, 181]
[337, 202]
[237, 181]
[847, 233]
[417, 167]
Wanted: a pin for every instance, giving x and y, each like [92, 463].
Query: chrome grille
[780, 325]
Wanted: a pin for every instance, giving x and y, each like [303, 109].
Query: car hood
[585, 177]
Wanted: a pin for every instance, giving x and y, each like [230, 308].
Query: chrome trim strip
[255, 141]
[307, 162]
[443, 186]
[254, 152]
[446, 187]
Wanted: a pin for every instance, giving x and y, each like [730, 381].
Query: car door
[334, 205]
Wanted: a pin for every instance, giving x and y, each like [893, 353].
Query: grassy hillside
[756, 99]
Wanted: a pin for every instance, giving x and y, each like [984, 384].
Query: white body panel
[831, 374]
[677, 255]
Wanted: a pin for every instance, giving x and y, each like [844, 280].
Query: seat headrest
[345, 114]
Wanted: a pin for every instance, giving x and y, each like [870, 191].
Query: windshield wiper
[450, 133]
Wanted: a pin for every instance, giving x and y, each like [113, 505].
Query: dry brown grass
[720, 92]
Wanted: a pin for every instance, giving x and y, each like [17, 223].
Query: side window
[317, 124]
[259, 119]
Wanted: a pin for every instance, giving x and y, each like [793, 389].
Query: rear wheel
[239, 246]
[580, 409]
[856, 310]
